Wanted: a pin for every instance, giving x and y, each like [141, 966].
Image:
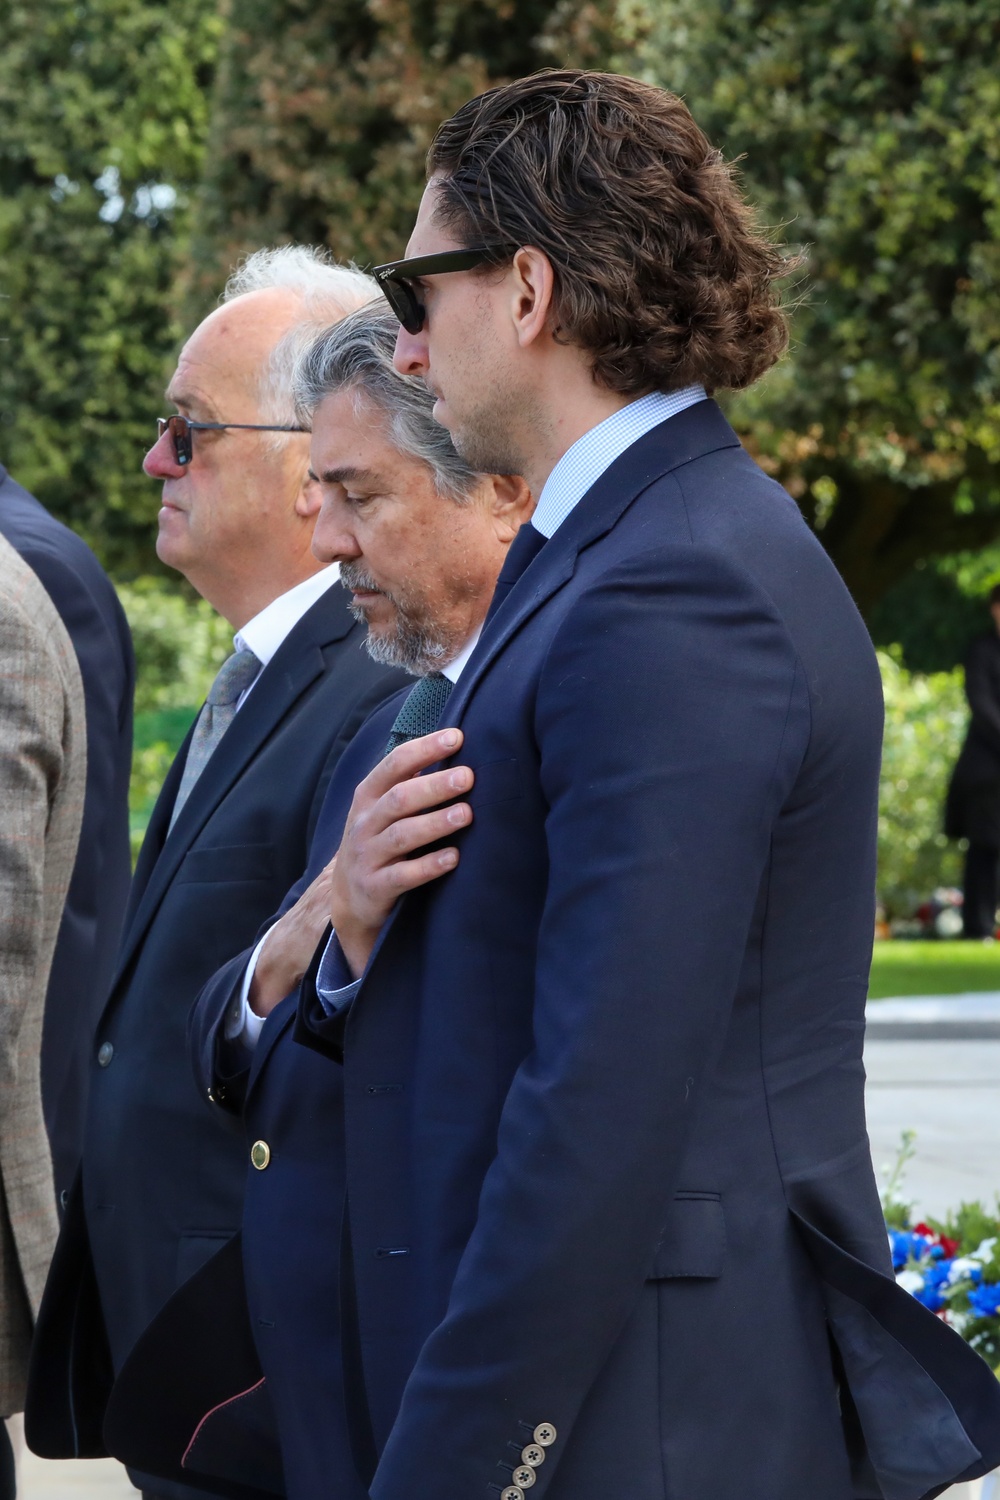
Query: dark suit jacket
[162, 1182]
[92, 918]
[973, 807]
[603, 1134]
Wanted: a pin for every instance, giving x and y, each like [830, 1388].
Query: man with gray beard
[420, 538]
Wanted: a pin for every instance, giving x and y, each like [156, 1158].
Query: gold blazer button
[260, 1154]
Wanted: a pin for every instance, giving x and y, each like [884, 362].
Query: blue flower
[984, 1300]
[935, 1280]
[907, 1247]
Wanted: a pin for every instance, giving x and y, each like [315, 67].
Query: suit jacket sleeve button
[512, 1492]
[524, 1477]
[260, 1154]
[533, 1455]
[545, 1434]
[104, 1054]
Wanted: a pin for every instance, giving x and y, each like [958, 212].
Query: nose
[411, 356]
[160, 462]
[333, 539]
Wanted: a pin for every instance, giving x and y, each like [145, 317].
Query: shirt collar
[583, 464]
[266, 632]
[454, 669]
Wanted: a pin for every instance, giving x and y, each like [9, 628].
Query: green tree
[324, 110]
[104, 113]
[871, 131]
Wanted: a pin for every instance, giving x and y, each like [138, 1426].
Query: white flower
[984, 1251]
[962, 1267]
[910, 1281]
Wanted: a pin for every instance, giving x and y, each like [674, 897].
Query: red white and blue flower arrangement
[952, 1267]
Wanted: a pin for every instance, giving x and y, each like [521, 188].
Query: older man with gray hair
[420, 538]
[161, 1184]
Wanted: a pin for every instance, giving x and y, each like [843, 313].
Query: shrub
[180, 642]
[925, 718]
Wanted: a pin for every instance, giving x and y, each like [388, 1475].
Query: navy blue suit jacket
[89, 934]
[162, 1181]
[598, 1106]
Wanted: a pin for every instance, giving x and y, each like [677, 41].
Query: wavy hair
[662, 274]
[356, 355]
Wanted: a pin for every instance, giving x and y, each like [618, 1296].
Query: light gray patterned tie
[234, 677]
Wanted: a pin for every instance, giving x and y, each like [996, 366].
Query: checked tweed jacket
[43, 762]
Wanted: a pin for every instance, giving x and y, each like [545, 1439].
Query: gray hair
[356, 355]
[326, 291]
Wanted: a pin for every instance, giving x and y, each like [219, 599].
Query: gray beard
[410, 645]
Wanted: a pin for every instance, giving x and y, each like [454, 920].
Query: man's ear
[512, 504]
[309, 500]
[532, 294]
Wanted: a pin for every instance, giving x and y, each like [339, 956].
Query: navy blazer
[598, 1106]
[162, 1182]
[84, 958]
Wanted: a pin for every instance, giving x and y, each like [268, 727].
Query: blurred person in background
[43, 767]
[91, 929]
[972, 810]
[162, 1184]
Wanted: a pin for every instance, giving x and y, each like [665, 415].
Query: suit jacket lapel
[698, 430]
[293, 668]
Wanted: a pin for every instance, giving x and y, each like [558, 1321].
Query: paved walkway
[933, 1067]
[98, 1479]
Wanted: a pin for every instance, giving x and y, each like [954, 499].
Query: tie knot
[421, 710]
[233, 678]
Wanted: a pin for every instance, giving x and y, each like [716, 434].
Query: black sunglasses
[180, 430]
[396, 277]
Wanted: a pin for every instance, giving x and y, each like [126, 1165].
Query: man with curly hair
[606, 1221]
[614, 1228]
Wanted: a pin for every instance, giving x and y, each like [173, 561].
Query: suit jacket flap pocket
[693, 1242]
[232, 862]
[496, 781]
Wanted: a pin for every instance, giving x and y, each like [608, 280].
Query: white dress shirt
[578, 469]
[268, 630]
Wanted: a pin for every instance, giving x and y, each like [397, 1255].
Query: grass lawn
[933, 968]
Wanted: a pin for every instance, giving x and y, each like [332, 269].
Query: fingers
[410, 759]
[408, 874]
[401, 837]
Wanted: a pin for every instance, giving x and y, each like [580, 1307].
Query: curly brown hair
[662, 273]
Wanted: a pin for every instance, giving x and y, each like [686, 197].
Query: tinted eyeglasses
[181, 428]
[396, 278]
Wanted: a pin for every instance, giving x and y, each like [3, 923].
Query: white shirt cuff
[334, 984]
[242, 1025]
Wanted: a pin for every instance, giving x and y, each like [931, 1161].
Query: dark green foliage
[929, 616]
[104, 116]
[935, 612]
[872, 132]
[325, 109]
